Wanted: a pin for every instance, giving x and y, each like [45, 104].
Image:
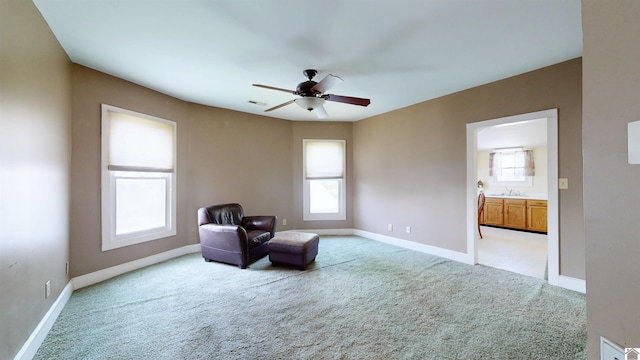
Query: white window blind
[324, 159]
[138, 144]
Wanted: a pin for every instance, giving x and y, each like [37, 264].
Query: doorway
[473, 129]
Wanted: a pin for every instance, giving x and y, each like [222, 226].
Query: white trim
[563, 281]
[551, 116]
[31, 346]
[327, 232]
[411, 245]
[566, 282]
[609, 349]
[574, 284]
[109, 239]
[553, 201]
[306, 192]
[104, 274]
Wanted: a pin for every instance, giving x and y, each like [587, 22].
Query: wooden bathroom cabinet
[520, 214]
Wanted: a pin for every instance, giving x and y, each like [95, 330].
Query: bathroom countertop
[532, 196]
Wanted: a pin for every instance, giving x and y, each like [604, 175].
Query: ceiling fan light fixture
[309, 103]
[312, 94]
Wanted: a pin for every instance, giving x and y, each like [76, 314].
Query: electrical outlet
[47, 289]
[408, 229]
[390, 227]
[67, 268]
[284, 222]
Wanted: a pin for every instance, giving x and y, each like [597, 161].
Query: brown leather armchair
[227, 236]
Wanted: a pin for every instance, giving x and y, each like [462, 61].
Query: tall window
[324, 179]
[513, 166]
[138, 177]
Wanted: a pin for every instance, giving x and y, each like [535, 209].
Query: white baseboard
[326, 232]
[101, 275]
[31, 346]
[411, 245]
[38, 335]
[574, 284]
[566, 282]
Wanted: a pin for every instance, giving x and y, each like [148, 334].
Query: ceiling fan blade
[279, 106]
[347, 99]
[327, 83]
[321, 113]
[275, 88]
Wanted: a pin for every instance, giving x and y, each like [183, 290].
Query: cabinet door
[515, 215]
[493, 208]
[537, 215]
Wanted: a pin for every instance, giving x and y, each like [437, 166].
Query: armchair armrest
[228, 237]
[221, 228]
[265, 223]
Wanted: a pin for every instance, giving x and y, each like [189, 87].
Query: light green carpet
[360, 300]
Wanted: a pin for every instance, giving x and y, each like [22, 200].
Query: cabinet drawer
[536, 202]
[515, 202]
[493, 200]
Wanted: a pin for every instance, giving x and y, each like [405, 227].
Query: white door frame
[553, 250]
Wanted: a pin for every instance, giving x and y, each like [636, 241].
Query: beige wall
[223, 156]
[35, 114]
[238, 157]
[410, 164]
[90, 89]
[611, 195]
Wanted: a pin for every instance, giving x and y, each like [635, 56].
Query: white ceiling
[397, 53]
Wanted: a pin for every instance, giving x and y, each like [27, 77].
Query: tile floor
[517, 251]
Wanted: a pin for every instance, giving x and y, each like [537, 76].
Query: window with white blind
[138, 177]
[324, 179]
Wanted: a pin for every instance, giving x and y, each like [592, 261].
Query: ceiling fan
[312, 94]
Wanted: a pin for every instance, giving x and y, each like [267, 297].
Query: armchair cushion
[226, 235]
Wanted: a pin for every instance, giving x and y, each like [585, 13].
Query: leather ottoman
[294, 249]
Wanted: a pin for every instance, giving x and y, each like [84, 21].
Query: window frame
[111, 240]
[342, 185]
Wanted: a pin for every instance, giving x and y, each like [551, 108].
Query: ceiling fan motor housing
[304, 88]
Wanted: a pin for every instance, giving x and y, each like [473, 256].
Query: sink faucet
[512, 192]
